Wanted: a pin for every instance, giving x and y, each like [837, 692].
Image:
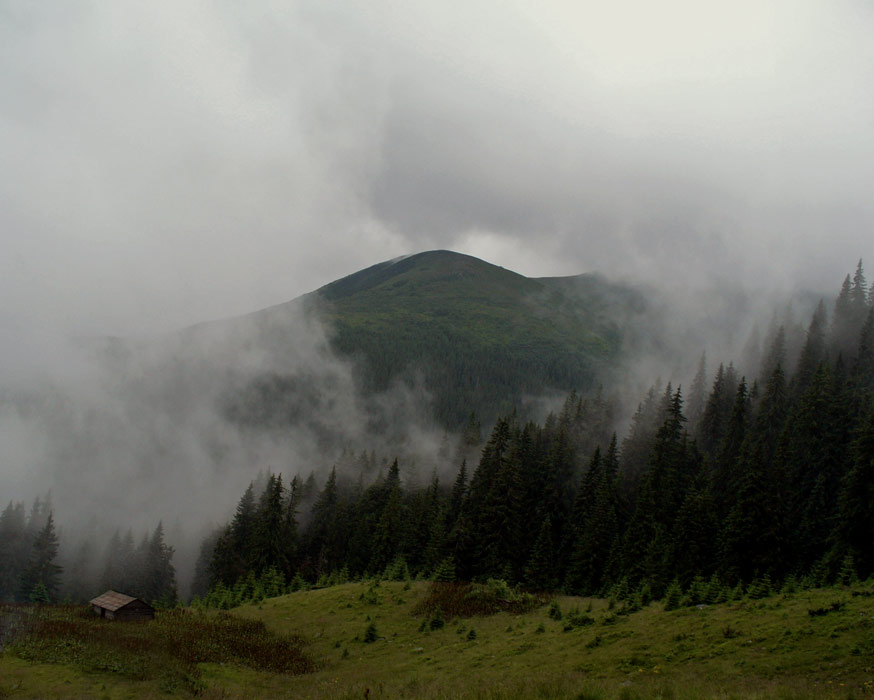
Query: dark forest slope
[479, 336]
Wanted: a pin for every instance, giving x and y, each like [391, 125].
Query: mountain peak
[418, 269]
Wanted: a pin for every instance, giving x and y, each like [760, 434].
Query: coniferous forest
[753, 478]
[741, 480]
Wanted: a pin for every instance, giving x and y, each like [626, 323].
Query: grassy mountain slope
[768, 648]
[479, 337]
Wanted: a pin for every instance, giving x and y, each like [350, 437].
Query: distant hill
[476, 336]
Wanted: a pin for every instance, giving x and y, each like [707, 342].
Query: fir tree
[539, 572]
[159, 581]
[695, 534]
[41, 568]
[725, 466]
[814, 351]
[776, 355]
[711, 427]
[14, 549]
[753, 537]
[697, 394]
[855, 511]
[270, 532]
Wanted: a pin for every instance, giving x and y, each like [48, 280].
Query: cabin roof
[113, 600]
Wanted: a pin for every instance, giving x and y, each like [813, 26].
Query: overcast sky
[171, 161]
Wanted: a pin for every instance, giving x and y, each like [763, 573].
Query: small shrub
[790, 585]
[468, 600]
[847, 576]
[834, 607]
[370, 634]
[575, 619]
[471, 635]
[445, 571]
[436, 622]
[673, 595]
[369, 597]
[737, 593]
[697, 593]
[554, 611]
[715, 592]
[594, 642]
[760, 588]
[397, 570]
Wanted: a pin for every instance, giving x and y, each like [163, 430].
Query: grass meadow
[378, 640]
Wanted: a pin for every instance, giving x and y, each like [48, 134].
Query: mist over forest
[124, 437]
[617, 202]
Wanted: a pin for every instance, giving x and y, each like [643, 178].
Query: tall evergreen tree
[540, 570]
[776, 355]
[269, 537]
[814, 351]
[726, 465]
[855, 512]
[753, 538]
[711, 427]
[697, 394]
[41, 568]
[814, 457]
[693, 545]
[159, 579]
[14, 549]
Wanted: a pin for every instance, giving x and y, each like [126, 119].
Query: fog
[173, 163]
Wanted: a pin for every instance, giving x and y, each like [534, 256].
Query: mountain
[475, 336]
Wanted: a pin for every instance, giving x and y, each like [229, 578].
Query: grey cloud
[178, 161]
[173, 162]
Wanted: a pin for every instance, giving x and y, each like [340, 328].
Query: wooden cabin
[118, 606]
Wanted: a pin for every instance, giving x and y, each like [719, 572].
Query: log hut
[118, 606]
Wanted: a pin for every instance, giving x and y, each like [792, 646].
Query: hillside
[474, 335]
[805, 645]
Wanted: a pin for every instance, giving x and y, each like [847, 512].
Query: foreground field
[377, 641]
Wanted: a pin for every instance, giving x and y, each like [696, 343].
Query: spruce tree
[845, 323]
[41, 568]
[818, 434]
[862, 374]
[753, 536]
[854, 520]
[711, 427]
[389, 531]
[697, 395]
[268, 539]
[539, 571]
[694, 534]
[14, 549]
[775, 356]
[599, 530]
[814, 351]
[159, 584]
[725, 465]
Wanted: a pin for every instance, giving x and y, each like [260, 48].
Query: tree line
[767, 475]
[740, 479]
[30, 570]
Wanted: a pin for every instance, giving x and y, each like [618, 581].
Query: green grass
[769, 648]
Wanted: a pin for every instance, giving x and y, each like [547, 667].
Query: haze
[171, 162]
[174, 162]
